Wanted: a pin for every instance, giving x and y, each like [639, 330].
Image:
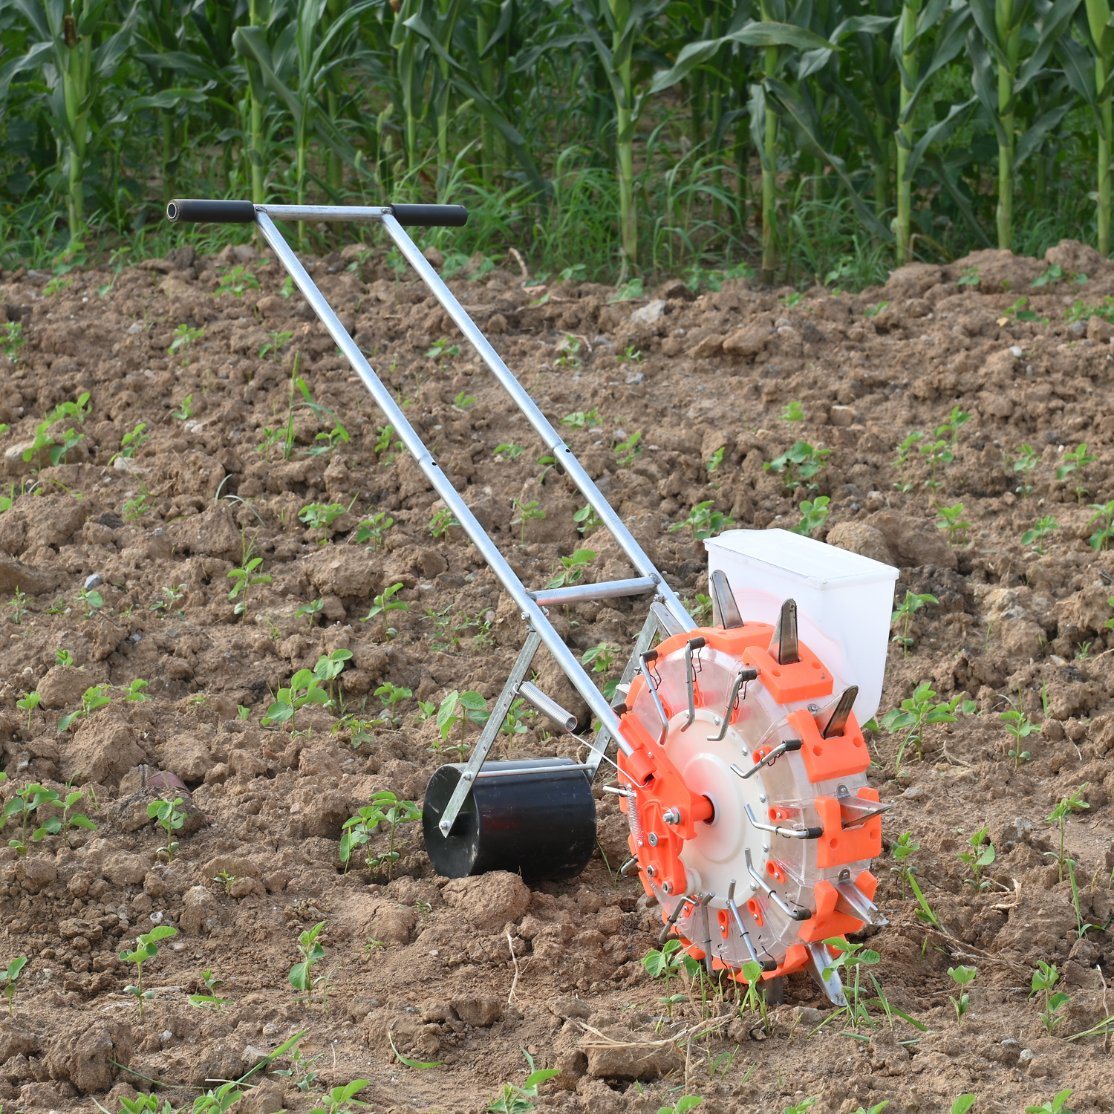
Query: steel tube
[553, 441]
[609, 589]
[535, 617]
[548, 707]
[325, 212]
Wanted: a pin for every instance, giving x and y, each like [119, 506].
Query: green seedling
[526, 510]
[406, 1061]
[184, 410]
[963, 1104]
[91, 601]
[669, 961]
[459, 709]
[9, 979]
[94, 697]
[328, 439]
[1075, 462]
[600, 659]
[682, 1105]
[1104, 531]
[463, 401]
[236, 281]
[312, 951]
[875, 309]
[390, 695]
[628, 449]
[952, 522]
[1043, 985]
[508, 450]
[184, 336]
[1034, 537]
[387, 446]
[1058, 1104]
[385, 810]
[244, 578]
[629, 355]
[63, 658]
[814, 513]
[28, 703]
[572, 568]
[12, 339]
[310, 610]
[793, 412]
[170, 596]
[514, 1099]
[57, 442]
[713, 462]
[1024, 463]
[373, 531]
[304, 688]
[18, 606]
[799, 465]
[546, 462]
[341, 1099]
[441, 348]
[1074, 802]
[132, 441]
[30, 804]
[1019, 727]
[146, 948]
[921, 710]
[136, 692]
[275, 343]
[321, 516]
[586, 520]
[568, 351]
[849, 960]
[137, 506]
[902, 617]
[702, 522]
[441, 522]
[210, 999]
[169, 816]
[328, 669]
[962, 977]
[385, 603]
[980, 855]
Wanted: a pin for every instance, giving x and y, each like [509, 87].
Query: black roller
[536, 817]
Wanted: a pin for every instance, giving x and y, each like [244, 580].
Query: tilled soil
[115, 558]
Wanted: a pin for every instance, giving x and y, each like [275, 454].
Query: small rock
[201, 912]
[649, 314]
[93, 580]
[480, 1013]
[489, 901]
[632, 1061]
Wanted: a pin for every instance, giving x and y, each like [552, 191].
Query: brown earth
[470, 974]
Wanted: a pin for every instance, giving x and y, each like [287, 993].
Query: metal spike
[784, 646]
[725, 611]
[692, 647]
[832, 985]
[674, 917]
[855, 903]
[841, 713]
[855, 811]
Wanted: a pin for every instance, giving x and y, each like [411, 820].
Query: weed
[373, 531]
[629, 355]
[385, 602]
[572, 568]
[962, 977]
[184, 336]
[1046, 977]
[146, 948]
[702, 522]
[875, 309]
[389, 695]
[312, 951]
[799, 465]
[94, 697]
[18, 606]
[384, 809]
[9, 979]
[244, 578]
[1074, 802]
[1104, 516]
[628, 449]
[169, 816]
[137, 506]
[441, 522]
[814, 513]
[514, 1099]
[237, 281]
[463, 401]
[328, 669]
[63, 658]
[981, 855]
[169, 597]
[952, 522]
[963, 1103]
[919, 711]
[1019, 727]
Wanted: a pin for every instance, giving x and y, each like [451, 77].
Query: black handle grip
[219, 212]
[430, 216]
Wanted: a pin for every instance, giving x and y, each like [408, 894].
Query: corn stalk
[1088, 63]
[1002, 29]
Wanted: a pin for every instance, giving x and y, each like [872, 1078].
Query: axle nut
[652, 838]
[672, 816]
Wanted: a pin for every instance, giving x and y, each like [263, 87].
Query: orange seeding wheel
[750, 817]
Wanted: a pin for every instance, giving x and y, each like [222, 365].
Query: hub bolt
[653, 839]
[666, 888]
[672, 816]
